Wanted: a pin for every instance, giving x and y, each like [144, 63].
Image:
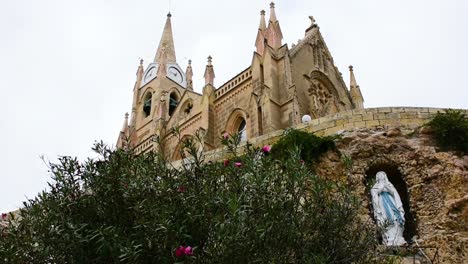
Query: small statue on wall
[388, 210]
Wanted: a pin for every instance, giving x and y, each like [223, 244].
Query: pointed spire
[167, 43]
[274, 34]
[189, 76]
[352, 79]
[209, 73]
[260, 41]
[122, 141]
[355, 91]
[139, 73]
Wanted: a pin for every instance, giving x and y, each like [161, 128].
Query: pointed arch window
[242, 130]
[147, 104]
[173, 103]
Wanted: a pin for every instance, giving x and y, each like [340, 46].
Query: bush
[138, 209]
[451, 130]
[310, 146]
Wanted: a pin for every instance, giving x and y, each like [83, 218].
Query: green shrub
[310, 146]
[451, 130]
[123, 208]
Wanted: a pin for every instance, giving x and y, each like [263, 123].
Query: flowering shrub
[137, 209]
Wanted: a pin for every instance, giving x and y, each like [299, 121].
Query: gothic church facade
[281, 85]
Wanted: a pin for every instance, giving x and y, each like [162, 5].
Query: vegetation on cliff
[128, 208]
[451, 130]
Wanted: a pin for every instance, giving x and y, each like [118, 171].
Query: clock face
[150, 74]
[175, 74]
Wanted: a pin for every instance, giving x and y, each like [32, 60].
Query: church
[282, 84]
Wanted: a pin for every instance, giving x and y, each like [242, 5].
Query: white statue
[388, 210]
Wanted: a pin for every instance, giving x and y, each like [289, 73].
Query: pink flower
[226, 163]
[302, 161]
[4, 216]
[238, 164]
[266, 149]
[226, 136]
[188, 251]
[180, 251]
[181, 189]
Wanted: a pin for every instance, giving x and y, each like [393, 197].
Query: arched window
[173, 102]
[147, 104]
[237, 124]
[242, 130]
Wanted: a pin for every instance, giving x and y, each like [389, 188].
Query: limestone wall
[392, 139]
[350, 120]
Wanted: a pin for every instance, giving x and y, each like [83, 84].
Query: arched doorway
[395, 177]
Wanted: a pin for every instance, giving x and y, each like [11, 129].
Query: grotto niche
[396, 179]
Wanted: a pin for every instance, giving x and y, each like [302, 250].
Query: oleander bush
[250, 208]
[451, 130]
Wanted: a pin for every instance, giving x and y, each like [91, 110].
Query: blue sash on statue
[390, 207]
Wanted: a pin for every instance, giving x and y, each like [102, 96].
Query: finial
[190, 62]
[209, 59]
[141, 62]
[350, 67]
[169, 14]
[272, 5]
[126, 115]
[312, 20]
[262, 12]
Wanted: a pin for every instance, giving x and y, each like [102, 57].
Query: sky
[67, 68]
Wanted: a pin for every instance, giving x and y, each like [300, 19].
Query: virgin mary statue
[388, 210]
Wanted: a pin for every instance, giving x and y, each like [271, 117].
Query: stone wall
[392, 139]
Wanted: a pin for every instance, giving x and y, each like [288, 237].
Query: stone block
[360, 124]
[393, 115]
[384, 110]
[333, 130]
[341, 121]
[398, 109]
[355, 118]
[379, 116]
[367, 116]
[348, 126]
[409, 115]
[359, 111]
[372, 123]
[424, 115]
[324, 120]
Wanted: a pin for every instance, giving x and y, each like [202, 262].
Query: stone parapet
[350, 120]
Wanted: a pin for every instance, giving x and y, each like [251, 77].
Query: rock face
[432, 185]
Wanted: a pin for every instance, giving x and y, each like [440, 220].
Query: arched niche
[396, 178]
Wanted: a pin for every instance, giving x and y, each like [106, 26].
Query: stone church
[282, 84]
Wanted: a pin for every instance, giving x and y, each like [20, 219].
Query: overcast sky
[67, 68]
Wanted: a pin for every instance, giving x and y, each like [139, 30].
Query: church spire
[260, 41]
[355, 91]
[209, 73]
[189, 76]
[274, 34]
[122, 141]
[166, 44]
